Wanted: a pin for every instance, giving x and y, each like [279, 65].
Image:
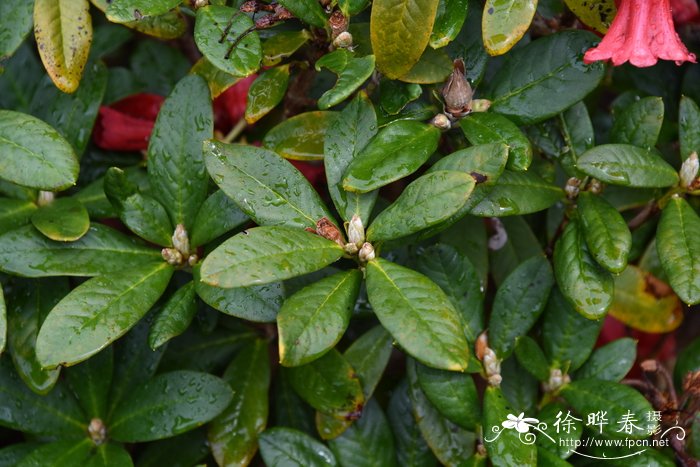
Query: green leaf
[610, 362]
[157, 67]
[28, 253]
[531, 357]
[175, 317]
[395, 95]
[369, 356]
[450, 443]
[544, 78]
[688, 361]
[124, 11]
[314, 319]
[565, 442]
[309, 11]
[98, 312]
[606, 233]
[486, 127]
[678, 246]
[427, 201]
[185, 449]
[567, 336]
[520, 245]
[622, 164]
[505, 23]
[110, 455]
[503, 445]
[411, 448]
[433, 67]
[282, 45]
[290, 410]
[453, 394]
[397, 151]
[345, 138]
[640, 123]
[352, 72]
[518, 386]
[418, 314]
[577, 132]
[330, 385]
[285, 447]
[142, 214]
[617, 400]
[300, 137]
[233, 434]
[12, 454]
[90, 381]
[16, 23]
[167, 405]
[518, 304]
[63, 32]
[216, 31]
[218, 215]
[267, 254]
[49, 415]
[176, 167]
[29, 303]
[15, 213]
[368, 442]
[34, 154]
[218, 80]
[400, 31]
[64, 453]
[448, 22]
[517, 193]
[266, 92]
[688, 122]
[587, 286]
[3, 322]
[64, 219]
[264, 185]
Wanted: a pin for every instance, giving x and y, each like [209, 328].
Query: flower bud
[689, 170]
[356, 231]
[457, 93]
[442, 122]
[572, 187]
[200, 3]
[480, 105]
[343, 41]
[366, 252]
[192, 260]
[557, 379]
[181, 241]
[171, 256]
[45, 198]
[97, 431]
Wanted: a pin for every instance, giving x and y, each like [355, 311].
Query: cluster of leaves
[438, 282]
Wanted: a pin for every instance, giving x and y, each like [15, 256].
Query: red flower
[641, 33]
[229, 107]
[685, 11]
[126, 125]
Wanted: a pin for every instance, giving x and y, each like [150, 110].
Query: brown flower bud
[457, 93]
[326, 229]
[343, 41]
[338, 23]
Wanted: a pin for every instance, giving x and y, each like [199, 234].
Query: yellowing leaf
[63, 31]
[597, 15]
[504, 22]
[644, 302]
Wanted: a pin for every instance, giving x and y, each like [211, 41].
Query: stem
[235, 131]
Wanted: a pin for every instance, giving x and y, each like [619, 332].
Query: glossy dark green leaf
[448, 22]
[411, 448]
[218, 80]
[678, 246]
[267, 254]
[640, 123]
[453, 394]
[555, 64]
[577, 132]
[286, 447]
[300, 137]
[169, 404]
[610, 362]
[179, 451]
[418, 314]
[433, 67]
[587, 286]
[330, 385]
[606, 233]
[34, 154]
[15, 213]
[531, 357]
[216, 31]
[282, 45]
[266, 92]
[503, 445]
[688, 122]
[64, 453]
[567, 336]
[98, 312]
[688, 361]
[397, 151]
[144, 215]
[90, 382]
[400, 31]
[345, 138]
[26, 252]
[563, 445]
[124, 11]
[623, 164]
[520, 245]
[450, 443]
[156, 67]
[395, 95]
[617, 400]
[518, 303]
[176, 167]
[427, 201]
[264, 185]
[12, 454]
[369, 356]
[504, 23]
[368, 442]
[64, 219]
[352, 72]
[314, 319]
[108, 39]
[3, 322]
[218, 215]
[233, 434]
[519, 387]
[110, 455]
[456, 276]
[517, 193]
[175, 316]
[16, 23]
[22, 409]
[29, 304]
[487, 127]
[308, 11]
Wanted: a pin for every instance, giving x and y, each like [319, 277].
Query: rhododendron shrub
[388, 233]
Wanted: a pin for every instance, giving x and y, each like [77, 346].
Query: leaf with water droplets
[64, 220]
[639, 124]
[110, 455]
[91, 381]
[487, 127]
[453, 394]
[605, 230]
[282, 447]
[218, 215]
[688, 124]
[124, 11]
[167, 405]
[505, 22]
[175, 316]
[411, 448]
[266, 92]
[61, 453]
[627, 165]
[450, 18]
[352, 72]
[16, 23]
[302, 136]
[517, 193]
[506, 449]
[15, 213]
[610, 362]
